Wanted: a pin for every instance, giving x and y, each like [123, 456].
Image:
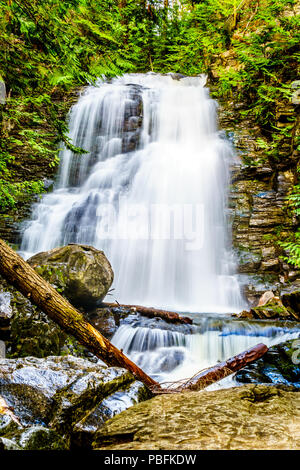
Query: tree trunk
[150, 312]
[41, 293]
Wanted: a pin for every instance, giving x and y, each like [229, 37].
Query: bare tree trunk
[17, 272]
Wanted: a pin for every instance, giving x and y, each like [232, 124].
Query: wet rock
[79, 272]
[133, 118]
[259, 211]
[14, 437]
[254, 285]
[6, 314]
[296, 97]
[5, 309]
[84, 431]
[57, 390]
[8, 444]
[246, 417]
[60, 402]
[32, 333]
[248, 261]
[278, 366]
[41, 438]
[292, 301]
[271, 309]
[104, 320]
[8, 425]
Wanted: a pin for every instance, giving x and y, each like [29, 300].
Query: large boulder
[81, 273]
[247, 417]
[71, 396]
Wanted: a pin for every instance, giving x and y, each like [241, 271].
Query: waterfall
[151, 192]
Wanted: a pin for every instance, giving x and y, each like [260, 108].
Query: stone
[41, 438]
[61, 402]
[2, 91]
[271, 309]
[57, 390]
[8, 425]
[104, 320]
[5, 309]
[81, 273]
[292, 300]
[32, 333]
[83, 432]
[295, 85]
[8, 444]
[278, 366]
[240, 418]
[296, 97]
[133, 121]
[268, 295]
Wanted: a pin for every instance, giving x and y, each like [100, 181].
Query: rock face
[81, 273]
[249, 417]
[260, 183]
[70, 396]
[133, 119]
[279, 365]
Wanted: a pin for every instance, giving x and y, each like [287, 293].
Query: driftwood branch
[213, 374]
[41, 293]
[223, 369]
[150, 312]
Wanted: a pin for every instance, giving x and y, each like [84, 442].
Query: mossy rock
[272, 309]
[81, 273]
[40, 438]
[240, 418]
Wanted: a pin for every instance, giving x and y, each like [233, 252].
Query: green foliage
[48, 49]
[292, 244]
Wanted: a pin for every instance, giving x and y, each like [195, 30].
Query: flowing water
[151, 192]
[164, 201]
[170, 353]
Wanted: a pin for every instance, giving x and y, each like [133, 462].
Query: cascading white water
[152, 194]
[168, 355]
[153, 197]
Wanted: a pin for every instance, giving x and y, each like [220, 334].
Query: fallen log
[171, 317]
[218, 372]
[222, 370]
[21, 275]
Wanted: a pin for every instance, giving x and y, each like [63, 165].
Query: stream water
[151, 192]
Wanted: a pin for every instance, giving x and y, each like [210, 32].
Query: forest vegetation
[49, 49]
